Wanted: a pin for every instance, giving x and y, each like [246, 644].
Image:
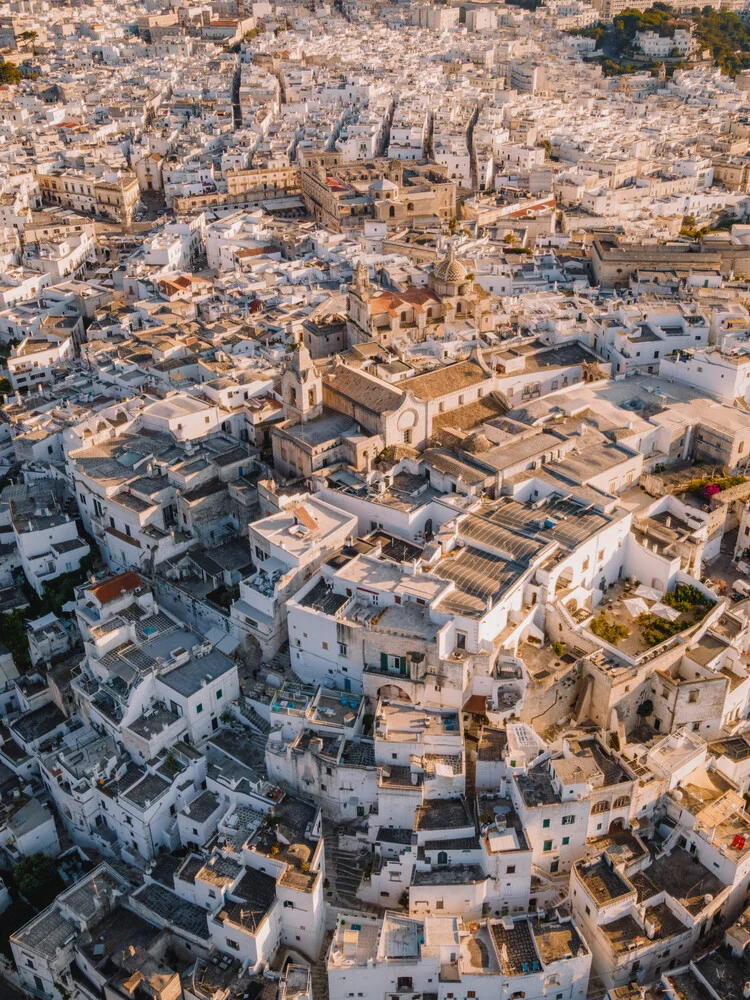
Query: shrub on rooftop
[686, 598]
[608, 630]
[655, 630]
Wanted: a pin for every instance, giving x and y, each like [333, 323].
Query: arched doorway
[393, 692]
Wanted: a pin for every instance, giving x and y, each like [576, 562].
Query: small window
[547, 845]
[219, 693]
[545, 824]
[199, 708]
[568, 820]
[566, 841]
[232, 944]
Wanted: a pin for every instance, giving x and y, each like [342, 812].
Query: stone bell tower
[302, 388]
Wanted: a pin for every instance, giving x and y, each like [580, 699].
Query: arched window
[601, 807]
[403, 317]
[442, 858]
[392, 211]
[621, 802]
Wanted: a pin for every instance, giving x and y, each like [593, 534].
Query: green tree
[546, 145]
[9, 73]
[5, 387]
[62, 589]
[13, 632]
[38, 880]
[597, 31]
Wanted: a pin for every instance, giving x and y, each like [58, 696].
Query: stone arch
[393, 691]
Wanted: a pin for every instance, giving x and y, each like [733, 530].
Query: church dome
[449, 269]
[383, 184]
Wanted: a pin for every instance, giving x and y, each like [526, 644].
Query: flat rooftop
[556, 940]
[726, 974]
[172, 909]
[404, 722]
[685, 878]
[442, 814]
[455, 874]
[516, 948]
[478, 953]
[354, 942]
[602, 881]
[536, 788]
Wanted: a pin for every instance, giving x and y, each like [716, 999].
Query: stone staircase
[344, 873]
[256, 720]
[318, 971]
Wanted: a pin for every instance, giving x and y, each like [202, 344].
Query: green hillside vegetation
[723, 33]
